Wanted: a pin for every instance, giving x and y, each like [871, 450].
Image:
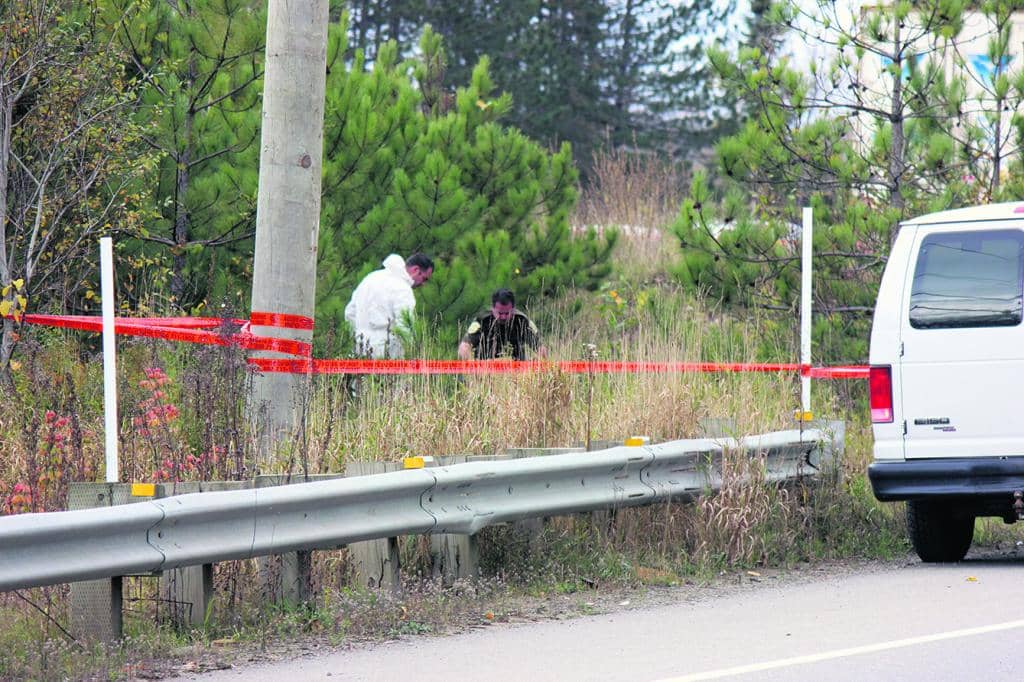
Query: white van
[947, 375]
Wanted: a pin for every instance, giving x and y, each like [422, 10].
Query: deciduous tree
[69, 154]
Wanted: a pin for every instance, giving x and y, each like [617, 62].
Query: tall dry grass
[430, 415]
[626, 188]
[639, 195]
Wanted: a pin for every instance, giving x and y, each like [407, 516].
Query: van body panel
[963, 408]
[971, 214]
[958, 386]
[885, 339]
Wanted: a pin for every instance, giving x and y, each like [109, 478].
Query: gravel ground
[494, 610]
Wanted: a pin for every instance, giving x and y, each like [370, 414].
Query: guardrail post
[833, 448]
[188, 591]
[454, 557]
[716, 427]
[96, 605]
[287, 577]
[375, 563]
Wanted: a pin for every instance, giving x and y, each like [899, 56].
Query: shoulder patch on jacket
[473, 328]
[533, 327]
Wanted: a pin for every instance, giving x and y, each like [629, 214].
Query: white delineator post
[807, 242]
[109, 357]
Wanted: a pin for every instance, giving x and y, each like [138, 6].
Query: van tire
[938, 533]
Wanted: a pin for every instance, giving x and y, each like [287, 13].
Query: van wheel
[937, 532]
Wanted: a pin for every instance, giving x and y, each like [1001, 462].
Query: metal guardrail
[187, 530]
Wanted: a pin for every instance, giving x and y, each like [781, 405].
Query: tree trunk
[181, 214]
[7, 337]
[181, 229]
[897, 160]
[6, 107]
[627, 74]
[6, 351]
[997, 150]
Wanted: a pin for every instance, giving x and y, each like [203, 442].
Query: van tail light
[880, 388]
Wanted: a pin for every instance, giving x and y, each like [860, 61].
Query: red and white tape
[198, 330]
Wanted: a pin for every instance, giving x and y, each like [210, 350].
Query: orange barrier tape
[840, 372]
[196, 330]
[95, 324]
[283, 320]
[189, 330]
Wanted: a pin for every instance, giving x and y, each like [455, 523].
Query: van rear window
[968, 279]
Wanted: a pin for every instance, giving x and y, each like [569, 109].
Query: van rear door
[962, 362]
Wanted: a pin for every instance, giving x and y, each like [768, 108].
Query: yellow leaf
[6, 290]
[5, 308]
[90, 294]
[19, 284]
[22, 302]
[15, 365]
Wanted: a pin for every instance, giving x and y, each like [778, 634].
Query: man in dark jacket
[502, 332]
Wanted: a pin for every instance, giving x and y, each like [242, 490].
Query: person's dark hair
[503, 296]
[420, 260]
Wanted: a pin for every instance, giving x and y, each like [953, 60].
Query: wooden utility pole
[288, 203]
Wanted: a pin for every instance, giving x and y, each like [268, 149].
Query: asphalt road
[912, 622]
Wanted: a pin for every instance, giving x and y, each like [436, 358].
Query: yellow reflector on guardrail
[417, 462]
[803, 416]
[143, 490]
[636, 441]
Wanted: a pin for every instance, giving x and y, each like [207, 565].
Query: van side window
[968, 279]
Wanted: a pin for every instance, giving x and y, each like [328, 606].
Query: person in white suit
[378, 306]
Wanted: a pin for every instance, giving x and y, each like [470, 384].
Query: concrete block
[96, 605]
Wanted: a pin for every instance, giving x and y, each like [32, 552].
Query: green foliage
[201, 63]
[411, 169]
[69, 155]
[880, 132]
[587, 72]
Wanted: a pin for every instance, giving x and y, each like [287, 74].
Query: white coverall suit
[377, 308]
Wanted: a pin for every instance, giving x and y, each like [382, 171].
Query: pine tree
[589, 72]
[201, 62]
[548, 54]
[991, 124]
[373, 23]
[877, 134]
[410, 168]
[661, 81]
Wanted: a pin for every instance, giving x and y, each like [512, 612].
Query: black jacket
[492, 339]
